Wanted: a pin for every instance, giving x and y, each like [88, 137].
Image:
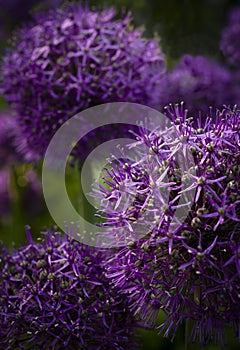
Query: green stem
[189, 345]
[86, 209]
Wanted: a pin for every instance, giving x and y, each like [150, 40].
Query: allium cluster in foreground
[230, 38]
[72, 59]
[54, 295]
[200, 82]
[188, 263]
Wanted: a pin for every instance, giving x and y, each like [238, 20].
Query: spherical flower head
[200, 83]
[72, 59]
[54, 295]
[187, 264]
[229, 44]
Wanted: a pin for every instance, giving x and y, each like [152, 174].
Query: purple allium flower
[200, 83]
[54, 295]
[190, 270]
[229, 44]
[73, 59]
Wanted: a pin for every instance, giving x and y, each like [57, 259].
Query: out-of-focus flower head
[54, 294]
[72, 59]
[200, 83]
[188, 263]
[229, 44]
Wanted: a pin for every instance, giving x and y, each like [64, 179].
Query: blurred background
[184, 27]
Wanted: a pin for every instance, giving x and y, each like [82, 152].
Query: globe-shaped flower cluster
[72, 59]
[188, 263]
[200, 83]
[54, 295]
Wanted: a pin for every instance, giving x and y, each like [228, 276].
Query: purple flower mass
[229, 44]
[200, 83]
[54, 295]
[72, 59]
[190, 270]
